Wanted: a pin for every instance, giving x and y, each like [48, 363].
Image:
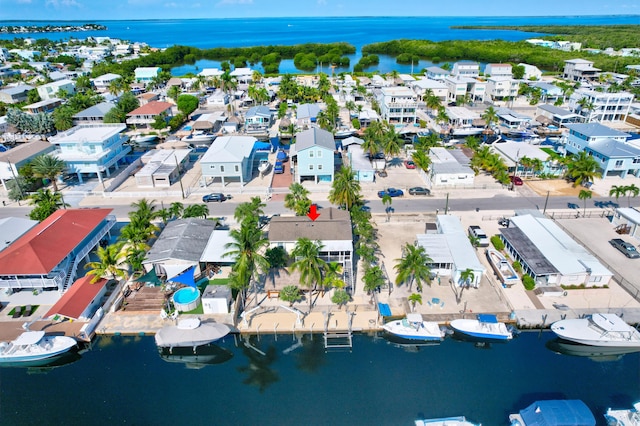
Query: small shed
[627, 221]
[216, 299]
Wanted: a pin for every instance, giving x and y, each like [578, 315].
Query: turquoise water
[185, 295]
[276, 381]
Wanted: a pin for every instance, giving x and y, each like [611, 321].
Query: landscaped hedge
[497, 242]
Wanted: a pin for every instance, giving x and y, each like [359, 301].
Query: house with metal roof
[229, 158]
[51, 90]
[600, 106]
[360, 163]
[81, 300]
[47, 256]
[146, 74]
[437, 73]
[306, 114]
[557, 116]
[179, 247]
[47, 105]
[93, 114]
[512, 152]
[15, 94]
[12, 228]
[398, 104]
[258, 119]
[104, 81]
[550, 255]
[162, 167]
[12, 160]
[313, 153]
[451, 251]
[449, 167]
[579, 70]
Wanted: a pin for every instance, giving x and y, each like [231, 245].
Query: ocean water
[280, 380]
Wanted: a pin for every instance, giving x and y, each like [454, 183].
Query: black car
[216, 196]
[418, 190]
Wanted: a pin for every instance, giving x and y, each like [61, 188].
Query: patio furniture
[17, 311]
[27, 311]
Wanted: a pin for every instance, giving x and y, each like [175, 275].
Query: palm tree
[373, 279]
[467, 277]
[489, 116]
[617, 191]
[586, 105]
[582, 168]
[196, 210]
[413, 266]
[176, 208]
[421, 160]
[246, 249]
[251, 210]
[46, 203]
[333, 276]
[391, 142]
[298, 199]
[110, 264]
[413, 299]
[308, 264]
[387, 201]
[442, 116]
[584, 195]
[145, 210]
[49, 167]
[345, 189]
[631, 191]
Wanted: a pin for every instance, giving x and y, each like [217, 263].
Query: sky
[180, 9]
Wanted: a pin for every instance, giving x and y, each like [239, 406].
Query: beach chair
[17, 311]
[27, 311]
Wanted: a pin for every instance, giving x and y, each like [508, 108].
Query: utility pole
[179, 175]
[446, 206]
[545, 203]
[17, 181]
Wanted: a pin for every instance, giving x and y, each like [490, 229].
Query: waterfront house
[332, 229]
[437, 73]
[579, 70]
[12, 228]
[11, 161]
[512, 119]
[51, 90]
[93, 114]
[15, 94]
[146, 74]
[306, 114]
[81, 301]
[229, 158]
[512, 152]
[313, 152]
[162, 167]
[609, 147]
[557, 116]
[258, 119]
[498, 70]
[103, 82]
[436, 87]
[210, 72]
[146, 114]
[549, 92]
[550, 255]
[92, 149]
[531, 72]
[398, 104]
[465, 69]
[218, 98]
[26, 54]
[502, 87]
[460, 86]
[47, 106]
[367, 116]
[242, 75]
[451, 252]
[461, 118]
[449, 167]
[179, 247]
[600, 106]
[47, 256]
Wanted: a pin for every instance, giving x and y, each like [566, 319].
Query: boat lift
[338, 339]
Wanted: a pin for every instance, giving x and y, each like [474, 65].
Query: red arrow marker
[313, 213]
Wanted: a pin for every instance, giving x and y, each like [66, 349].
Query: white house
[559, 117]
[628, 217]
[437, 73]
[360, 164]
[466, 69]
[398, 104]
[104, 81]
[437, 88]
[460, 86]
[162, 167]
[600, 106]
[146, 74]
[50, 90]
[449, 167]
[502, 87]
[513, 152]
[579, 70]
[531, 72]
[243, 75]
[229, 158]
[498, 70]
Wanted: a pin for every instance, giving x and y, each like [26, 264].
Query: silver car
[627, 249]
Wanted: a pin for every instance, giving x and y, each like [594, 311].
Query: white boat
[34, 346]
[144, 139]
[344, 133]
[501, 266]
[560, 412]
[598, 330]
[198, 358]
[485, 326]
[190, 332]
[446, 421]
[199, 138]
[630, 417]
[594, 353]
[264, 166]
[414, 328]
[466, 131]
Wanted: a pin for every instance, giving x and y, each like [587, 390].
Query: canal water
[289, 380]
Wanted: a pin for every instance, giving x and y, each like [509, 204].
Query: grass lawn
[34, 308]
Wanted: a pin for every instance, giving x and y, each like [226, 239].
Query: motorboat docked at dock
[190, 332]
[485, 326]
[560, 412]
[446, 421]
[414, 328]
[598, 330]
[629, 417]
[34, 346]
[199, 138]
[503, 269]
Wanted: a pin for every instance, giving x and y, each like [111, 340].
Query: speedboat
[142, 139]
[190, 332]
[485, 326]
[598, 330]
[34, 346]
[199, 138]
[594, 353]
[198, 358]
[554, 413]
[264, 166]
[630, 417]
[414, 328]
[503, 269]
[446, 421]
[343, 132]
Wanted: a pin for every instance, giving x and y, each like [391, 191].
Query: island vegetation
[63, 28]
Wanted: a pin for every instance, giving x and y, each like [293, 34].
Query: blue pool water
[186, 295]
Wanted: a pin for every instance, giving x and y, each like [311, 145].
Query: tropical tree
[585, 195]
[373, 279]
[196, 210]
[110, 264]
[251, 210]
[467, 277]
[340, 297]
[298, 199]
[176, 208]
[333, 276]
[490, 116]
[291, 294]
[48, 167]
[413, 299]
[631, 191]
[617, 190]
[421, 160]
[46, 202]
[145, 210]
[391, 143]
[413, 266]
[582, 168]
[246, 248]
[308, 263]
[345, 189]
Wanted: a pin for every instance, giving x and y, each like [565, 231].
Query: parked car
[418, 190]
[216, 196]
[409, 164]
[278, 168]
[476, 232]
[382, 173]
[627, 249]
[516, 180]
[391, 192]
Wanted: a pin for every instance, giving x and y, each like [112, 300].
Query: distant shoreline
[31, 29]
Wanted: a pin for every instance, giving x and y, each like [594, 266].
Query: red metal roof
[151, 108]
[47, 244]
[77, 298]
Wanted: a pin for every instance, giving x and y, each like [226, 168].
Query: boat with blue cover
[485, 326]
[623, 417]
[562, 412]
[414, 328]
[446, 421]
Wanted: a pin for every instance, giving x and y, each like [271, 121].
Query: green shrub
[528, 282]
[497, 243]
[517, 266]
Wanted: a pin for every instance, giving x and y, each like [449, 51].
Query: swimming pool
[186, 299]
[187, 128]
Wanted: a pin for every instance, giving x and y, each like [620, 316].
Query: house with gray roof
[11, 161]
[228, 158]
[258, 119]
[94, 114]
[179, 247]
[13, 95]
[449, 167]
[557, 116]
[313, 152]
[12, 228]
[306, 114]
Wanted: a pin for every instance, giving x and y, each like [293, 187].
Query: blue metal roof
[571, 412]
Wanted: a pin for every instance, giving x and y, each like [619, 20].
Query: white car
[476, 232]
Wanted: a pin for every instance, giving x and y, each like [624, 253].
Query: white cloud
[63, 3]
[226, 2]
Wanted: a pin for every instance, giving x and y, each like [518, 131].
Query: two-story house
[437, 73]
[579, 70]
[16, 94]
[531, 72]
[306, 114]
[146, 74]
[600, 106]
[94, 114]
[502, 87]
[498, 70]
[103, 82]
[228, 158]
[466, 69]
[145, 115]
[258, 119]
[313, 151]
[51, 90]
[398, 104]
[92, 149]
[46, 105]
[460, 86]
[426, 85]
[615, 156]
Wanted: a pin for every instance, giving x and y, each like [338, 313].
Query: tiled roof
[77, 298]
[152, 108]
[41, 249]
